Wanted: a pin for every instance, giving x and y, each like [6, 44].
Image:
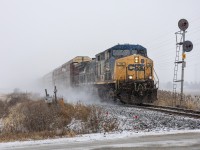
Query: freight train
[123, 72]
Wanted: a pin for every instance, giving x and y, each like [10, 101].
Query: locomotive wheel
[125, 98]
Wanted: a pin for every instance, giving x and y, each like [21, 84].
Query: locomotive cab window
[121, 53]
[134, 52]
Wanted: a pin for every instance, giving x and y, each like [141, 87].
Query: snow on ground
[91, 138]
[135, 119]
[131, 122]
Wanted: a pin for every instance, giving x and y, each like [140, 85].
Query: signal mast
[187, 46]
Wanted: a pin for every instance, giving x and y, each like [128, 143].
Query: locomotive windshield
[140, 52]
[122, 53]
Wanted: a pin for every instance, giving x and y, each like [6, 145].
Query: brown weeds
[35, 116]
[167, 98]
[2, 108]
[24, 119]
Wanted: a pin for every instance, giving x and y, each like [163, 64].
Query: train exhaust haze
[73, 95]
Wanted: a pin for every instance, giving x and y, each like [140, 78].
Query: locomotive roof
[127, 47]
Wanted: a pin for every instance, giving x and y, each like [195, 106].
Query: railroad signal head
[183, 24]
[187, 46]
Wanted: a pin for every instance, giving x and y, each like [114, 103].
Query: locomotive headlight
[121, 64]
[130, 77]
[136, 59]
[150, 77]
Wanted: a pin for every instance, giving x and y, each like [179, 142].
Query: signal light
[184, 56]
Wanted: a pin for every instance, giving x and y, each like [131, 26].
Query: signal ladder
[178, 47]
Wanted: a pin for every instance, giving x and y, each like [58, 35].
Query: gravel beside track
[139, 119]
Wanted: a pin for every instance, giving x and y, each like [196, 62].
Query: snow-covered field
[131, 122]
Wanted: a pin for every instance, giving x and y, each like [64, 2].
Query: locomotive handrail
[156, 77]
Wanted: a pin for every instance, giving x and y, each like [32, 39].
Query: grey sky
[37, 36]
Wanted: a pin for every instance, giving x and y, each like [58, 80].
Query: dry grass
[37, 120]
[82, 112]
[99, 122]
[25, 119]
[11, 100]
[2, 108]
[166, 98]
[36, 116]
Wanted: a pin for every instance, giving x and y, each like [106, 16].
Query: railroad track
[169, 110]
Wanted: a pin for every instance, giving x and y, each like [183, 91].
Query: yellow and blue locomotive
[121, 72]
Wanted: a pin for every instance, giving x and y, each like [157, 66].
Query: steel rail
[169, 110]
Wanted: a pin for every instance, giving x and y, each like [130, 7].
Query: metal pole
[46, 92]
[182, 73]
[55, 91]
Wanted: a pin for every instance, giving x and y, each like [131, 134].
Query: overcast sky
[36, 36]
